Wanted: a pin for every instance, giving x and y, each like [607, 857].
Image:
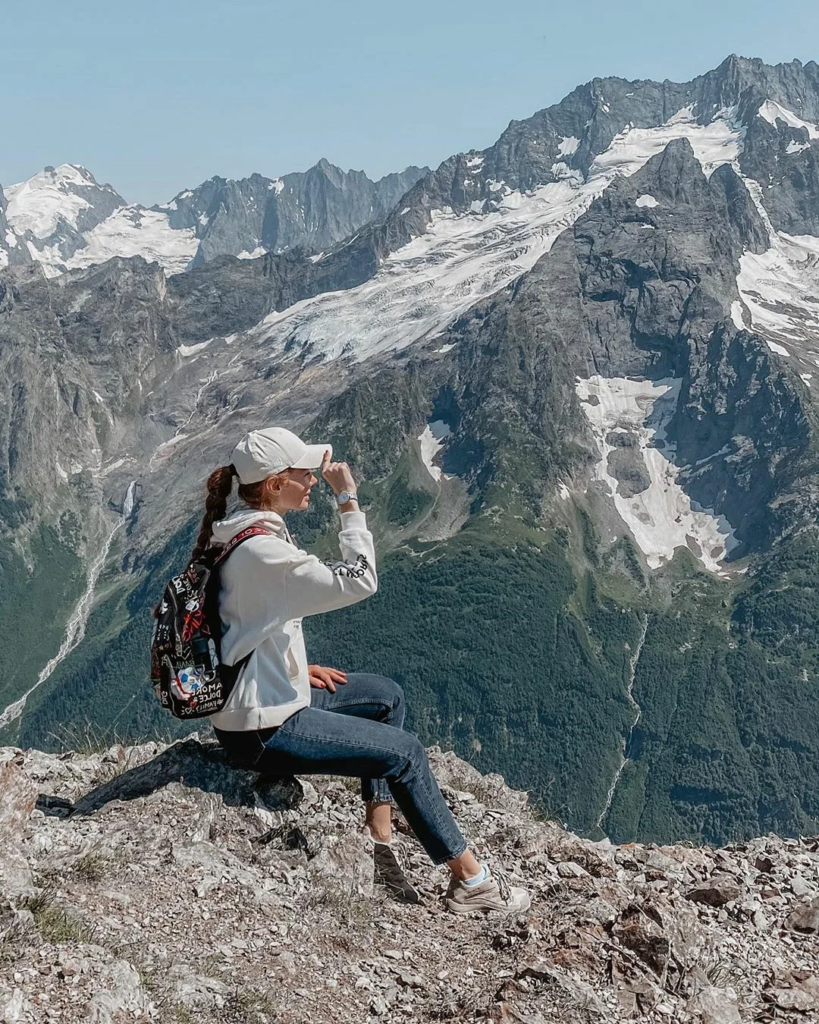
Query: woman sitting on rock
[285, 717]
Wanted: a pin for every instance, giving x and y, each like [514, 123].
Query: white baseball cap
[264, 453]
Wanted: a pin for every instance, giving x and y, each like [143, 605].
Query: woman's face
[294, 494]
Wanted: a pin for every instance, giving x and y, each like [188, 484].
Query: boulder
[805, 918]
[716, 891]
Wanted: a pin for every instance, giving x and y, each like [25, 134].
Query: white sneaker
[494, 893]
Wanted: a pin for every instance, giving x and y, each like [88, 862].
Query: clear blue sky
[156, 96]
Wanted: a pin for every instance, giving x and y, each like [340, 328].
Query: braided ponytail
[220, 484]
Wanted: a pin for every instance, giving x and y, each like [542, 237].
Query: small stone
[715, 1006]
[18, 795]
[797, 990]
[568, 869]
[799, 886]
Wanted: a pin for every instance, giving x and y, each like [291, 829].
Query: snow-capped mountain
[575, 373]
[63, 219]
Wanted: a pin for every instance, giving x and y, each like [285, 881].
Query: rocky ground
[154, 883]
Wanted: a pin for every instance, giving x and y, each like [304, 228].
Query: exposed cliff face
[573, 374]
[313, 210]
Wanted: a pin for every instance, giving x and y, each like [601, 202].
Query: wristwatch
[344, 496]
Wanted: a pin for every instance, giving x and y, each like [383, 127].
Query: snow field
[464, 258]
[662, 517]
[432, 441]
[780, 289]
[134, 231]
[772, 111]
[37, 205]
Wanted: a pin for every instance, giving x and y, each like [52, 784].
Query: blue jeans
[358, 731]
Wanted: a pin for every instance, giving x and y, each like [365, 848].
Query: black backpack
[186, 668]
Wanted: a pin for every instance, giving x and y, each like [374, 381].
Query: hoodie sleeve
[313, 586]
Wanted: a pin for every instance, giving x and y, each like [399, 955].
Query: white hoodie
[267, 585]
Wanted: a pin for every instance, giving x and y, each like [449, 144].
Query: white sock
[381, 842]
[481, 876]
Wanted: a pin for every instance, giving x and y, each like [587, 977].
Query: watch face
[343, 497]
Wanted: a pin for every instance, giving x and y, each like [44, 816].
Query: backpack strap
[234, 542]
[234, 671]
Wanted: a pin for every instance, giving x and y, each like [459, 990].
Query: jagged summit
[65, 220]
[160, 884]
[248, 217]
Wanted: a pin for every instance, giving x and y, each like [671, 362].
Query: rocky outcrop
[313, 210]
[163, 884]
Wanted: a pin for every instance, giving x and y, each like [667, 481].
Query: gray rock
[14, 1007]
[715, 1006]
[120, 992]
[313, 210]
[800, 887]
[568, 869]
[715, 892]
[345, 868]
[182, 986]
[798, 990]
[640, 930]
[203, 765]
[18, 795]
[805, 918]
[628, 468]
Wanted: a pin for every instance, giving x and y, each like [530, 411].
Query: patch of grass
[541, 808]
[92, 866]
[182, 1015]
[54, 923]
[249, 1006]
[341, 903]
[84, 738]
[12, 943]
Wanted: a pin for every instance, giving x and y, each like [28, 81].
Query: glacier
[662, 517]
[464, 258]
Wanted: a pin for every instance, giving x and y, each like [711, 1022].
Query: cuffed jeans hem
[450, 856]
[377, 793]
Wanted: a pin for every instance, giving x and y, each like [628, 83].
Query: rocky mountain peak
[67, 197]
[65, 220]
[275, 915]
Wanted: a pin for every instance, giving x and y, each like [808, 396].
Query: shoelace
[401, 856]
[504, 885]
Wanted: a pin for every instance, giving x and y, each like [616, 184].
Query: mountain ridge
[65, 220]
